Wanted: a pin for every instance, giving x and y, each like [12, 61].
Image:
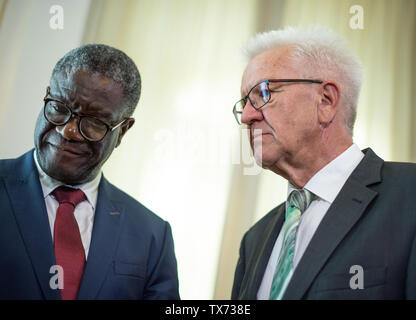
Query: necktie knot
[301, 199]
[69, 195]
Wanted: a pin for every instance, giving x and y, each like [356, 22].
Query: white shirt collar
[328, 181]
[49, 184]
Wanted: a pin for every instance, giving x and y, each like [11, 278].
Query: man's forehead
[271, 64]
[86, 83]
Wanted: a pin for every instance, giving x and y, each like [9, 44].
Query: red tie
[69, 251]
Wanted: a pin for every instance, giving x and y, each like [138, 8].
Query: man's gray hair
[109, 62]
[327, 56]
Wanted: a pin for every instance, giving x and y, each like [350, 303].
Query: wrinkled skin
[62, 151]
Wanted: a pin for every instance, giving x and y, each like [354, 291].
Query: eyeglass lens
[258, 97]
[59, 114]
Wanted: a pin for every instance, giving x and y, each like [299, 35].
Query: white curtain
[177, 157]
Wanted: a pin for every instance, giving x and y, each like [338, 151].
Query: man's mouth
[66, 150]
[258, 133]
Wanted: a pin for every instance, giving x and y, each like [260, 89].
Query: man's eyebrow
[91, 109]
[57, 98]
[245, 92]
[94, 109]
[276, 85]
[59, 93]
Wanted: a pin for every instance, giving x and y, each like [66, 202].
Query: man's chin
[265, 160]
[66, 177]
[69, 170]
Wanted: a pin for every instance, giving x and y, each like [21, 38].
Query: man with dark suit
[348, 227]
[65, 231]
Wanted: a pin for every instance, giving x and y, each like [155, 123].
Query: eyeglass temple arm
[295, 80]
[111, 128]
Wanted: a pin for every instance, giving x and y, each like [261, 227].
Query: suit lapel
[261, 258]
[345, 211]
[30, 211]
[107, 221]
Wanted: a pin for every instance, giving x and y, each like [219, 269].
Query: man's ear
[330, 99]
[123, 129]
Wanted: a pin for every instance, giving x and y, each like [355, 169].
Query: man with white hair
[348, 227]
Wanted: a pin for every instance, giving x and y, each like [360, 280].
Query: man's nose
[70, 130]
[250, 114]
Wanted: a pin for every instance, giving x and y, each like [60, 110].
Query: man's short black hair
[109, 62]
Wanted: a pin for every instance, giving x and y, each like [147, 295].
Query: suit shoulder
[8, 166]
[407, 166]
[399, 171]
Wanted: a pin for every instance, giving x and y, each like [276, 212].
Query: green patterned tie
[299, 200]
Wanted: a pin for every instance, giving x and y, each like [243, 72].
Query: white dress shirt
[84, 211]
[325, 184]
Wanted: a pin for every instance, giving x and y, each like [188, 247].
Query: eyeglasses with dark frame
[260, 95]
[90, 127]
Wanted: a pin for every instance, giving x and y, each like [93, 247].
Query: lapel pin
[114, 213]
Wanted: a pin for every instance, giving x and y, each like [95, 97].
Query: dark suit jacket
[371, 223]
[131, 255]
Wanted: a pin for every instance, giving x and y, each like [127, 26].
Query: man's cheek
[40, 135]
